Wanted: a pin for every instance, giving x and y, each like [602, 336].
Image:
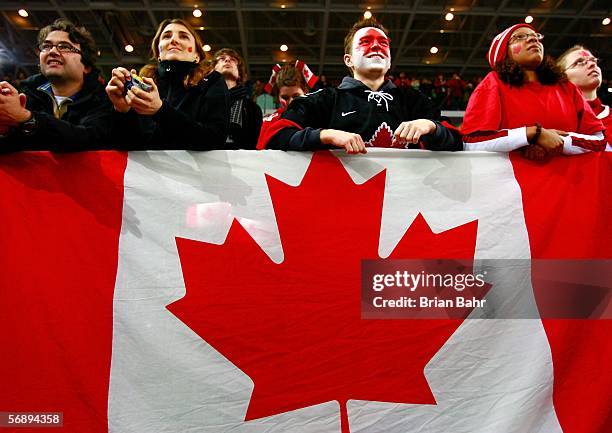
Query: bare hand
[12, 106]
[551, 141]
[146, 103]
[116, 87]
[352, 143]
[561, 133]
[412, 131]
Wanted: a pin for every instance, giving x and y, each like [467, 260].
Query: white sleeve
[504, 140]
[576, 144]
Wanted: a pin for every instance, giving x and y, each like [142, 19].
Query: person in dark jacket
[245, 115]
[187, 106]
[64, 108]
[366, 110]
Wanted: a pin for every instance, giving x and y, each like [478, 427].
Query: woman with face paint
[185, 104]
[366, 110]
[526, 102]
[582, 68]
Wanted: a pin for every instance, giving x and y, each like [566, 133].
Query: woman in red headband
[526, 102]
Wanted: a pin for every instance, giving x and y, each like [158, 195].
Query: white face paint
[371, 51]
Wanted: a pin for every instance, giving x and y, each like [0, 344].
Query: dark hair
[235, 55]
[195, 76]
[361, 24]
[548, 72]
[78, 35]
[289, 76]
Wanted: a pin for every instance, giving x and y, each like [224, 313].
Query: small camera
[138, 82]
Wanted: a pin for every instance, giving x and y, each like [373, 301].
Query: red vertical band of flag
[61, 219]
[568, 212]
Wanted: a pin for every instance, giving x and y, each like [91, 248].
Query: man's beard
[53, 74]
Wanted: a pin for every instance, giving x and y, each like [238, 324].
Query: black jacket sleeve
[89, 131]
[312, 113]
[199, 122]
[420, 106]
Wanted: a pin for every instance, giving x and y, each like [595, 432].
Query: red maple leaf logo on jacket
[306, 343]
[382, 137]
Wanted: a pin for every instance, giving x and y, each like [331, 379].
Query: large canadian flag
[220, 292]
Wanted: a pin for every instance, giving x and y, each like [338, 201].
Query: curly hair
[548, 72]
[77, 34]
[197, 74]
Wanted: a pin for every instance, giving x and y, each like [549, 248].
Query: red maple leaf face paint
[177, 43]
[525, 49]
[371, 50]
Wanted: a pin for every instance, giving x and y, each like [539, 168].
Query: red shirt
[603, 113]
[495, 105]
[267, 126]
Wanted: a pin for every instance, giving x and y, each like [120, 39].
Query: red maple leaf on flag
[295, 328]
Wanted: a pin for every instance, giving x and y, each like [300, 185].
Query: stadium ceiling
[312, 30]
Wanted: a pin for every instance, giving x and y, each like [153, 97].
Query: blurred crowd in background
[448, 93]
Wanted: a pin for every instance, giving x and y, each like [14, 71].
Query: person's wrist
[30, 125]
[536, 134]
[324, 136]
[158, 105]
[162, 111]
[530, 132]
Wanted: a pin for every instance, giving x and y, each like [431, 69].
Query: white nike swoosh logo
[348, 112]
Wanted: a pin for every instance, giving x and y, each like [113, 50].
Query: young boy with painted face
[366, 110]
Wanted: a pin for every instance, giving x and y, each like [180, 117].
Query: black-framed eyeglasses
[583, 61]
[525, 37]
[62, 47]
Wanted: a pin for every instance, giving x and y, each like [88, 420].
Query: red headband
[272, 81]
[309, 77]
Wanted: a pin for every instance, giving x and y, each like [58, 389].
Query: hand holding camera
[127, 90]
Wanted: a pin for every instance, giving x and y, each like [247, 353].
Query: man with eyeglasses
[582, 69]
[65, 107]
